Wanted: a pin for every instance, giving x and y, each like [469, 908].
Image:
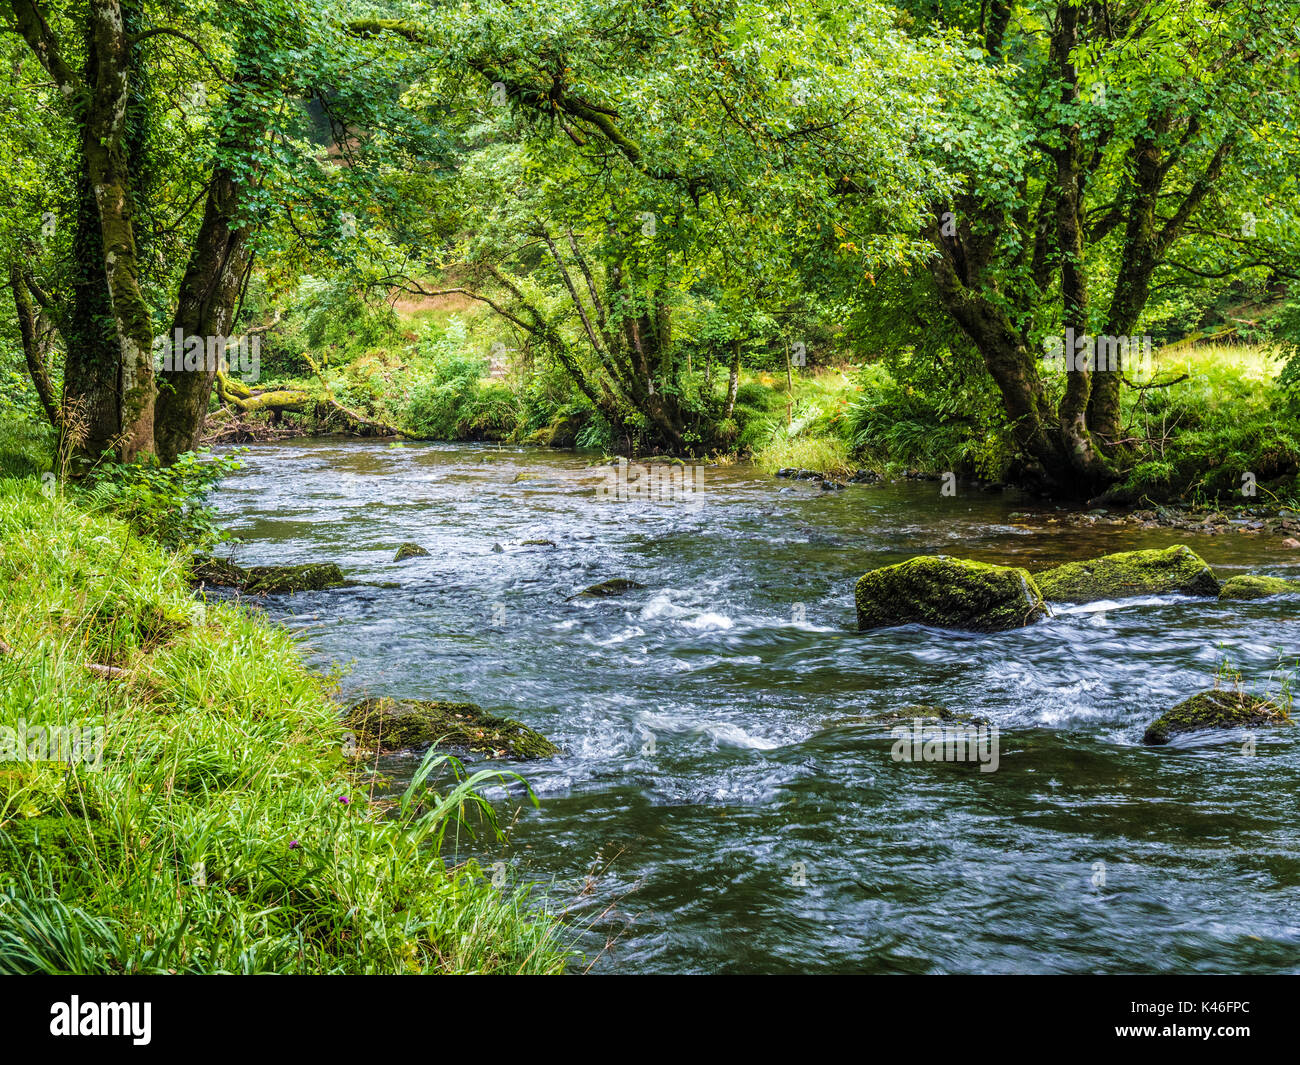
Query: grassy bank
[225, 830]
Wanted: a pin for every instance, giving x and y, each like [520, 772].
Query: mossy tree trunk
[98, 99]
[209, 293]
[36, 335]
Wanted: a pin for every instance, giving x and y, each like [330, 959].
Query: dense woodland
[663, 225]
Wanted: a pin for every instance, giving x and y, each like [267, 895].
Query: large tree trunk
[108, 68]
[1076, 439]
[89, 405]
[1035, 427]
[206, 307]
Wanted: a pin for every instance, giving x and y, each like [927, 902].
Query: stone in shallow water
[409, 551]
[311, 577]
[1247, 586]
[1129, 573]
[399, 724]
[948, 593]
[1215, 709]
[615, 587]
[265, 580]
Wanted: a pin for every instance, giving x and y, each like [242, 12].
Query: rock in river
[398, 724]
[1246, 586]
[409, 551]
[1215, 709]
[605, 588]
[265, 580]
[1129, 573]
[948, 593]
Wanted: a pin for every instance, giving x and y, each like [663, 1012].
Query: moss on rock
[310, 577]
[1215, 709]
[397, 724]
[1129, 573]
[605, 588]
[927, 712]
[265, 580]
[1246, 586]
[217, 571]
[409, 551]
[949, 593]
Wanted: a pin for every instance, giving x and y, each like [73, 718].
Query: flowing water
[725, 802]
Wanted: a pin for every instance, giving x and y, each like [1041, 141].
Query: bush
[450, 400]
[165, 504]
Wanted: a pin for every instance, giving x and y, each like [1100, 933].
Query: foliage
[166, 504]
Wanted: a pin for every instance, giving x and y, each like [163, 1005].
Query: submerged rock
[1215, 709]
[1246, 586]
[948, 593]
[927, 712]
[265, 580]
[409, 551]
[615, 587]
[1129, 573]
[398, 724]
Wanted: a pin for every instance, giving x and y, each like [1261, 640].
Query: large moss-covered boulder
[265, 580]
[1216, 709]
[949, 593]
[1129, 573]
[310, 577]
[398, 724]
[1245, 586]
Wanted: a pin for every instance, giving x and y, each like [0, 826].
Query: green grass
[1196, 438]
[226, 830]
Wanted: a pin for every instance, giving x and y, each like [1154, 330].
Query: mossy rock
[1215, 709]
[310, 577]
[1130, 573]
[409, 551]
[948, 593]
[399, 724]
[926, 712]
[1246, 586]
[607, 588]
[264, 580]
[217, 571]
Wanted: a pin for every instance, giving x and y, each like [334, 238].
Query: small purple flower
[294, 844]
[345, 799]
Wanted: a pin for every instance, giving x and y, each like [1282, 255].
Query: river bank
[208, 817]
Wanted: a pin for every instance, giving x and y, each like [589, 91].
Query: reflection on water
[721, 772]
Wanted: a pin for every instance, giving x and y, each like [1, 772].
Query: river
[725, 802]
